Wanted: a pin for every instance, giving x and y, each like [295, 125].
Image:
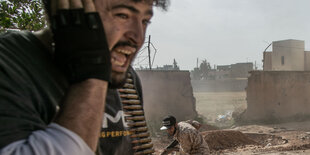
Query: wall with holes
[167, 93]
[278, 95]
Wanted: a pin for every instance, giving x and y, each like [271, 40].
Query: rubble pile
[267, 139]
[252, 139]
[226, 139]
[207, 127]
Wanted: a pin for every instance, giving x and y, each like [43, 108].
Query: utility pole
[197, 63]
[265, 53]
[149, 52]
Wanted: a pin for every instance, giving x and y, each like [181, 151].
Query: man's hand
[82, 52]
[81, 48]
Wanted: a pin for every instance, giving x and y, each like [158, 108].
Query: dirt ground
[284, 139]
[272, 139]
[213, 104]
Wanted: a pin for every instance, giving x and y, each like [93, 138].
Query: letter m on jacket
[116, 119]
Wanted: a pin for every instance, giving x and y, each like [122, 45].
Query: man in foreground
[185, 134]
[56, 83]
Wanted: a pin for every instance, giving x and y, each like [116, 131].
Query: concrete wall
[307, 60]
[223, 85]
[167, 92]
[267, 61]
[293, 53]
[277, 95]
[241, 70]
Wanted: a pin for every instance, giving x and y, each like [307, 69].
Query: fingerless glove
[81, 48]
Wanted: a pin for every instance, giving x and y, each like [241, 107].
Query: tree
[175, 65]
[202, 73]
[205, 68]
[21, 15]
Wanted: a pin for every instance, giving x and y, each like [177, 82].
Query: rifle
[171, 147]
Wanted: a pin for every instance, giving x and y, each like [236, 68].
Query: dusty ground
[288, 138]
[212, 104]
[285, 139]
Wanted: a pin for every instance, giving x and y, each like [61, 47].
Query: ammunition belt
[132, 107]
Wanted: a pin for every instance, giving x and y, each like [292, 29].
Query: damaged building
[281, 90]
[222, 78]
[167, 92]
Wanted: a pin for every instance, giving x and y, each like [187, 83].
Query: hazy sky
[225, 31]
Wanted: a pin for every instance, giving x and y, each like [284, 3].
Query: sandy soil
[284, 139]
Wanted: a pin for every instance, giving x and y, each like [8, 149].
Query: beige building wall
[288, 55]
[277, 95]
[307, 60]
[267, 61]
[220, 85]
[167, 93]
[241, 70]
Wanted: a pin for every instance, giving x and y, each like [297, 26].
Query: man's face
[171, 130]
[125, 24]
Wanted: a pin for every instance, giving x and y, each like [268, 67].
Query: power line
[142, 55]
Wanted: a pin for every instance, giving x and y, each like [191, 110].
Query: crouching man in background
[185, 134]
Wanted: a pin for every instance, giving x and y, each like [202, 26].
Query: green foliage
[21, 15]
[202, 73]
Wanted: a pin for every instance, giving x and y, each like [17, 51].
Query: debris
[225, 139]
[226, 117]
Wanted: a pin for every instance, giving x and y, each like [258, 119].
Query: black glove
[81, 48]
